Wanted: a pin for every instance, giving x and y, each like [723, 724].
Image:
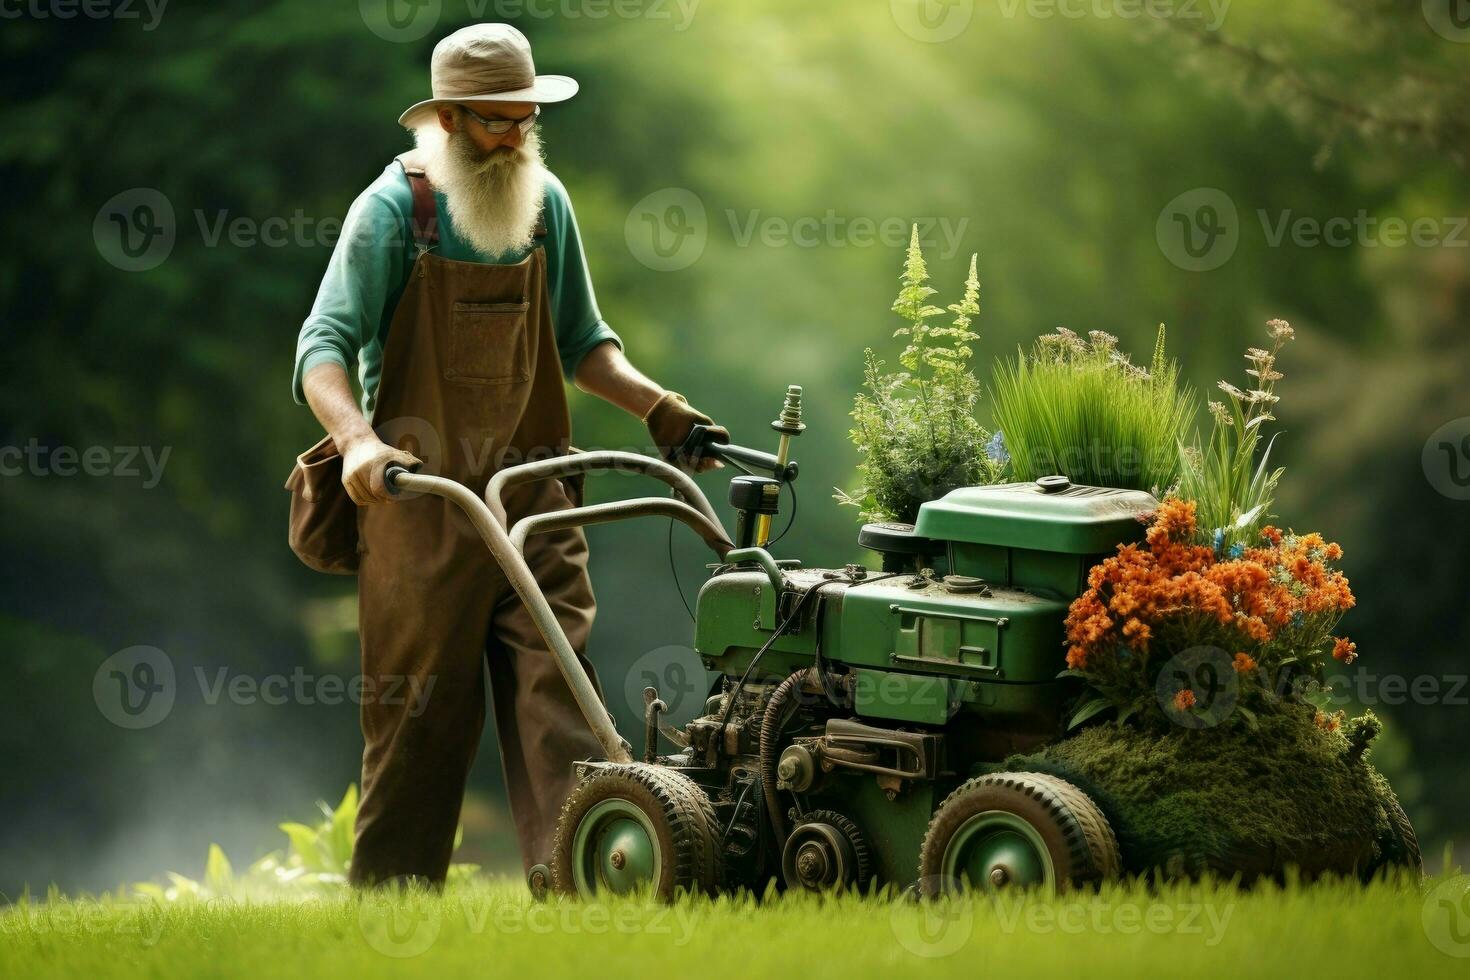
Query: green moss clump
[1229, 800]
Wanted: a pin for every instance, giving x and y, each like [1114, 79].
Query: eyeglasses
[499, 127]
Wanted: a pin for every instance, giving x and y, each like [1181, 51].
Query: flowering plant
[1232, 489]
[916, 428]
[1271, 606]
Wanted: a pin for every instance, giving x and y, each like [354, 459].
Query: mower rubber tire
[1017, 829]
[635, 827]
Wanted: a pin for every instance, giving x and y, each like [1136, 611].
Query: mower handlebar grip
[752, 461]
[390, 478]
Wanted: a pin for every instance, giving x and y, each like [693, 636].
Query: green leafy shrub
[316, 858]
[1080, 407]
[916, 428]
[1231, 490]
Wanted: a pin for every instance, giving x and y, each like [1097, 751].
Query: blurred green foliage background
[1051, 140]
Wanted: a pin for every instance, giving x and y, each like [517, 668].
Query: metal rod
[763, 558]
[524, 583]
[617, 510]
[763, 524]
[596, 461]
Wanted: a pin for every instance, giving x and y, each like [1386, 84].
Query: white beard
[494, 200]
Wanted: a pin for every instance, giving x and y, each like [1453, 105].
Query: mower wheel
[1016, 830]
[635, 827]
[1398, 846]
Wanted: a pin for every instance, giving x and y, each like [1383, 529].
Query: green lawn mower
[857, 730]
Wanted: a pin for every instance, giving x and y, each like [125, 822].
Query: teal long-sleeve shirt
[371, 264]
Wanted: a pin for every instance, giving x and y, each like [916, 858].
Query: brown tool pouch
[323, 526]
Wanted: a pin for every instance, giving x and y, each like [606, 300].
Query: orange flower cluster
[1277, 595]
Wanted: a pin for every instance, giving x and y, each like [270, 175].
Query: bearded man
[460, 292]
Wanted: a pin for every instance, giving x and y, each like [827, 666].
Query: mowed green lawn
[493, 929]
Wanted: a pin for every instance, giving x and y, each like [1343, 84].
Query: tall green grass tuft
[1079, 407]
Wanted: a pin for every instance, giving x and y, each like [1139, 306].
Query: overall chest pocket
[488, 344]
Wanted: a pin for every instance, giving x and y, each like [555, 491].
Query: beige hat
[486, 63]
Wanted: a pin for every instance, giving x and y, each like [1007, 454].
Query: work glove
[671, 420]
[363, 466]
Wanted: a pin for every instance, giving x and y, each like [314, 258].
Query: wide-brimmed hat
[486, 63]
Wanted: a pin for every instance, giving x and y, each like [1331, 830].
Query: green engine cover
[1073, 520]
[1031, 536]
[921, 649]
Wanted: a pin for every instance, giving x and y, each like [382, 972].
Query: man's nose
[514, 138]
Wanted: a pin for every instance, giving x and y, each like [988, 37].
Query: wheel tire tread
[678, 809]
[1091, 844]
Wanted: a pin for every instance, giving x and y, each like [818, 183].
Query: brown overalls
[471, 363]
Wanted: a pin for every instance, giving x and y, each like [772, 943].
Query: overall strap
[425, 221]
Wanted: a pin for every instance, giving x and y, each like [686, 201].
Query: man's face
[490, 144]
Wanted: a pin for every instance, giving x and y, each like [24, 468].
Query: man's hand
[670, 422]
[606, 373]
[363, 465]
[364, 456]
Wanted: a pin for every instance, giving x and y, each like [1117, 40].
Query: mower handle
[701, 443]
[579, 463]
[521, 579]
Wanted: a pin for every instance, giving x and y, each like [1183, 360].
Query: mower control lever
[751, 461]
